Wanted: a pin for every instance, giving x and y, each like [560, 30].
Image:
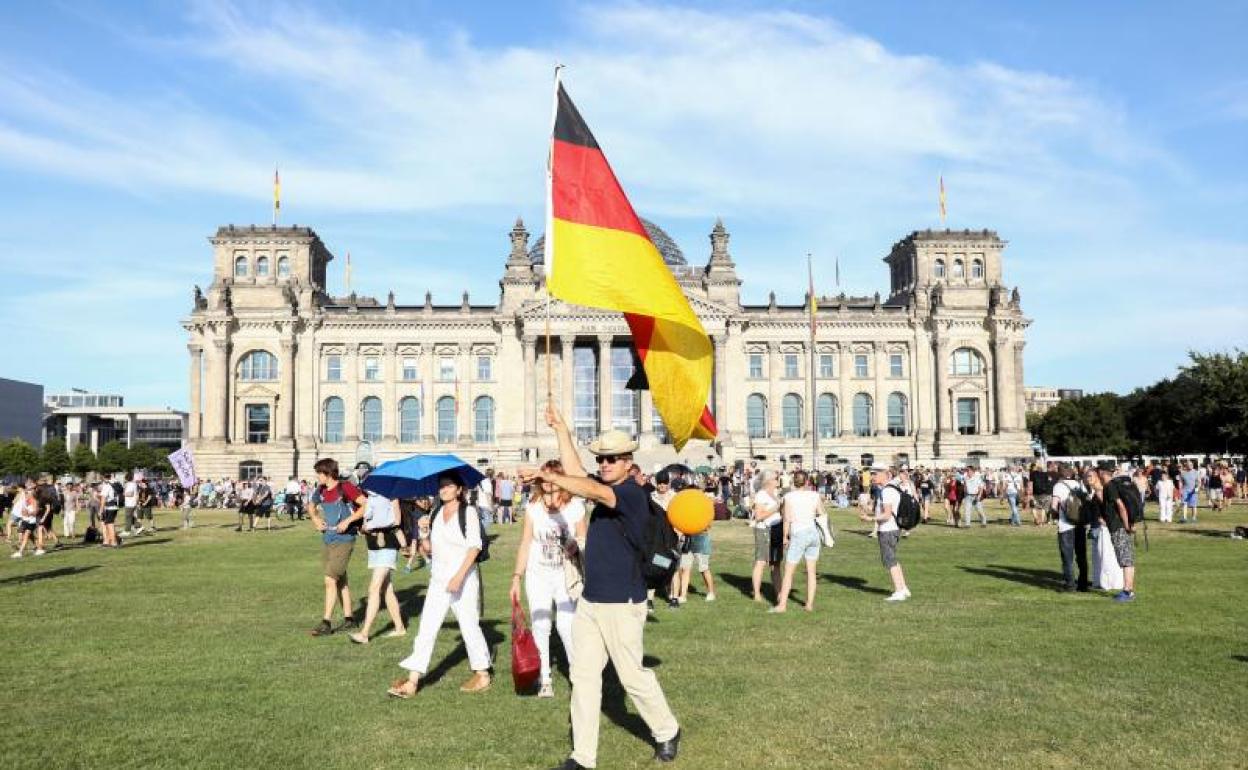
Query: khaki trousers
[603, 632]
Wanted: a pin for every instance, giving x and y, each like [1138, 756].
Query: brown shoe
[478, 682]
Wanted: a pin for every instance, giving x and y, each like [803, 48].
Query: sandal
[399, 689]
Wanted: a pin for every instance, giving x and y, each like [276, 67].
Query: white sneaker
[546, 691]
[39, 552]
[139, 531]
[898, 596]
[16, 555]
[710, 597]
[124, 533]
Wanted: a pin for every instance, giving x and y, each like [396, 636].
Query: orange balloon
[690, 512]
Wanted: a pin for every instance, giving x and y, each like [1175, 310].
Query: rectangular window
[790, 366]
[894, 365]
[827, 365]
[372, 369]
[410, 371]
[968, 416]
[333, 368]
[584, 393]
[485, 368]
[860, 365]
[446, 369]
[625, 403]
[257, 423]
[756, 366]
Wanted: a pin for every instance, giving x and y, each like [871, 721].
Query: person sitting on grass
[337, 508]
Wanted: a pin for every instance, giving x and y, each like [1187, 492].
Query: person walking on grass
[1013, 482]
[145, 503]
[768, 527]
[1188, 485]
[802, 540]
[28, 524]
[890, 533]
[384, 535]
[73, 501]
[262, 503]
[611, 614]
[505, 490]
[1072, 536]
[974, 501]
[697, 550]
[49, 501]
[1165, 498]
[109, 502]
[1121, 531]
[130, 505]
[337, 508]
[453, 542]
[554, 525]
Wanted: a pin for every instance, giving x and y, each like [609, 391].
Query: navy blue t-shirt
[612, 562]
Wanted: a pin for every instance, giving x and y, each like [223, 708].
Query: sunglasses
[608, 458]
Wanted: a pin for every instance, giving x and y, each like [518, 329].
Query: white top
[551, 531]
[19, 505]
[293, 488]
[449, 545]
[974, 483]
[663, 500]
[131, 494]
[890, 496]
[485, 493]
[106, 491]
[246, 493]
[800, 507]
[1061, 491]
[1013, 483]
[1165, 489]
[379, 512]
[770, 504]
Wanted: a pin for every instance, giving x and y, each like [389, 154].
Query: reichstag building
[282, 373]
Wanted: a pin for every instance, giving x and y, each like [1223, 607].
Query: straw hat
[613, 442]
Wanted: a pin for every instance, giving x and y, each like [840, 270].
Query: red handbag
[526, 662]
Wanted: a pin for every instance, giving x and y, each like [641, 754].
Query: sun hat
[613, 442]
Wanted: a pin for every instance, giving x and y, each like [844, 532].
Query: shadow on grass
[460, 653]
[127, 545]
[856, 583]
[1240, 658]
[1202, 531]
[52, 573]
[746, 585]
[1040, 578]
[615, 705]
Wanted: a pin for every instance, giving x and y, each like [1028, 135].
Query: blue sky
[1105, 142]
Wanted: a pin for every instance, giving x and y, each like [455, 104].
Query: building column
[566, 379]
[351, 410]
[775, 414]
[1014, 386]
[530, 384]
[646, 414]
[390, 401]
[845, 390]
[286, 369]
[131, 419]
[218, 416]
[428, 412]
[604, 382]
[196, 379]
[880, 367]
[944, 423]
[719, 405]
[463, 393]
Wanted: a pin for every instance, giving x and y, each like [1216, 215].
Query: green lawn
[190, 649]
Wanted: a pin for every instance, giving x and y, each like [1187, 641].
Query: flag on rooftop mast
[277, 195]
[942, 200]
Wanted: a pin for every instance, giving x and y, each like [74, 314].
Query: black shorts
[264, 511]
[109, 516]
[27, 526]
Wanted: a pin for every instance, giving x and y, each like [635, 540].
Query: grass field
[190, 649]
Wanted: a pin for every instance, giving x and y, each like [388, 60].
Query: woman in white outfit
[1165, 498]
[452, 540]
[554, 521]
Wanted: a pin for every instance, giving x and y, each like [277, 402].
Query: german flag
[599, 255]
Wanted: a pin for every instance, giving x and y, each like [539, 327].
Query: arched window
[863, 416]
[791, 415]
[977, 269]
[896, 414]
[240, 267]
[332, 420]
[446, 420]
[262, 267]
[370, 419]
[409, 420]
[756, 415]
[959, 269]
[939, 269]
[827, 416]
[966, 362]
[283, 267]
[258, 365]
[483, 420]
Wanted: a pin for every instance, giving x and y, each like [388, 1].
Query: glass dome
[672, 255]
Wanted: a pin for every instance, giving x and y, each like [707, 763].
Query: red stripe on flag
[586, 191]
[642, 328]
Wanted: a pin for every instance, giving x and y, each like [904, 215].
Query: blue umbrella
[417, 476]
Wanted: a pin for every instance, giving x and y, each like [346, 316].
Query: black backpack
[1072, 509]
[659, 553]
[907, 513]
[1130, 495]
[119, 493]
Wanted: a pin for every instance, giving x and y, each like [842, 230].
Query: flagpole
[277, 194]
[549, 245]
[814, 409]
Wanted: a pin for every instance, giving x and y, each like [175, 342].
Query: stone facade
[282, 373]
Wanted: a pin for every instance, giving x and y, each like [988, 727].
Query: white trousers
[464, 604]
[67, 523]
[1167, 509]
[546, 586]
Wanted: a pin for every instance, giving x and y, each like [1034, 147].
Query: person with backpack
[337, 509]
[454, 543]
[802, 540]
[621, 546]
[1123, 508]
[1069, 498]
[110, 494]
[892, 500]
[553, 525]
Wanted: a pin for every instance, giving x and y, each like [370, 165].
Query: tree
[17, 458]
[1091, 425]
[113, 457]
[1223, 381]
[149, 458]
[55, 459]
[82, 460]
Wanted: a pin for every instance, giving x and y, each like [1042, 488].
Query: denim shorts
[804, 545]
[888, 547]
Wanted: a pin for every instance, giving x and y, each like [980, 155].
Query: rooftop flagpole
[814, 409]
[548, 246]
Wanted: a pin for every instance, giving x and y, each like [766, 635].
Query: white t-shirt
[379, 512]
[1061, 491]
[131, 494]
[890, 496]
[974, 483]
[293, 488]
[551, 531]
[768, 503]
[106, 492]
[800, 507]
[449, 545]
[485, 493]
[1013, 483]
[1165, 489]
[19, 505]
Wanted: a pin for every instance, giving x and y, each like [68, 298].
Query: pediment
[537, 310]
[255, 390]
[969, 385]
